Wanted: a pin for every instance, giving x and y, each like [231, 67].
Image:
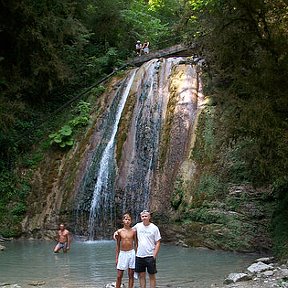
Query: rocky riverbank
[263, 273]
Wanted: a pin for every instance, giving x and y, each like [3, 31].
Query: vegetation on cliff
[244, 137]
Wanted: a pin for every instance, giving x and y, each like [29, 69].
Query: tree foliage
[245, 46]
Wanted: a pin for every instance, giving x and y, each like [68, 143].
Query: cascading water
[127, 165]
[102, 200]
[151, 94]
[101, 212]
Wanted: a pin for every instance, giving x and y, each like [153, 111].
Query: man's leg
[57, 248]
[131, 278]
[65, 247]
[152, 278]
[119, 278]
[142, 279]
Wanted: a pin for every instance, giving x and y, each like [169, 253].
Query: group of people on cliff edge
[137, 248]
[142, 48]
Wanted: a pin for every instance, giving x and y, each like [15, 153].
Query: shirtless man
[125, 253]
[63, 239]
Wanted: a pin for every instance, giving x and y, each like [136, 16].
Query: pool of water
[92, 264]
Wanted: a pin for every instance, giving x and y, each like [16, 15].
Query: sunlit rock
[237, 277]
[259, 267]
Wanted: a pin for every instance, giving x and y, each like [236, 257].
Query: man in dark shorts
[149, 238]
[63, 239]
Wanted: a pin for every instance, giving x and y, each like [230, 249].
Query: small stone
[37, 283]
[113, 285]
[268, 273]
[284, 273]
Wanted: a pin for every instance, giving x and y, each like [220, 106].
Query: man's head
[61, 226]
[145, 217]
[127, 219]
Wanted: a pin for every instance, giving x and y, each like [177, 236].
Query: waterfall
[152, 97]
[102, 200]
[134, 157]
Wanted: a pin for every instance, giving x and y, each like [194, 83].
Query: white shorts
[126, 259]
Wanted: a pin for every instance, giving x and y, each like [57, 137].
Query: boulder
[237, 277]
[2, 247]
[259, 267]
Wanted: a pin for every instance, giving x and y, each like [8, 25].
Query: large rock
[237, 277]
[259, 267]
[2, 247]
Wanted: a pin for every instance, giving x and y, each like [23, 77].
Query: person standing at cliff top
[146, 47]
[63, 239]
[149, 237]
[138, 48]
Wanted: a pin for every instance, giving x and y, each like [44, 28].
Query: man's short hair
[144, 212]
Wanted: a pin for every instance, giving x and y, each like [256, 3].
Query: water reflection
[92, 264]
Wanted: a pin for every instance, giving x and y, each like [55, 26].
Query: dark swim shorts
[145, 262]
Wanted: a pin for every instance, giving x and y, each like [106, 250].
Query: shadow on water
[92, 264]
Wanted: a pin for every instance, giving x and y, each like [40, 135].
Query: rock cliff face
[139, 153]
[152, 140]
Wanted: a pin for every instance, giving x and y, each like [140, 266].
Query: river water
[92, 264]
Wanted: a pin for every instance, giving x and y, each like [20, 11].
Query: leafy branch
[63, 138]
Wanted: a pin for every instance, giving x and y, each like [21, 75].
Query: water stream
[92, 264]
[102, 201]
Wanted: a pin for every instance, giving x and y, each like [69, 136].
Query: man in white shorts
[125, 253]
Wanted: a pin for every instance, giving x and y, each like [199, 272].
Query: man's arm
[135, 239]
[157, 248]
[118, 240]
[57, 237]
[68, 240]
[116, 235]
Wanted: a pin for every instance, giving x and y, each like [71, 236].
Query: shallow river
[91, 264]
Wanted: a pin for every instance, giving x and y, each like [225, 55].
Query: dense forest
[52, 51]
